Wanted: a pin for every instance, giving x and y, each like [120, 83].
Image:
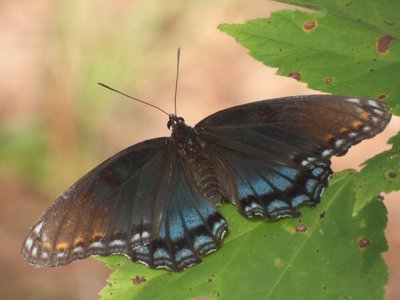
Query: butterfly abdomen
[206, 179]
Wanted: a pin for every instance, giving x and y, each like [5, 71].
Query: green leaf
[346, 47]
[316, 256]
[379, 174]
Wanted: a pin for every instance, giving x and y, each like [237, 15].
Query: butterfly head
[175, 121]
[184, 136]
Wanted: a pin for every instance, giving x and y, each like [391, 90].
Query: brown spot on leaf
[322, 215]
[301, 228]
[278, 263]
[364, 242]
[383, 43]
[295, 75]
[138, 280]
[310, 25]
[382, 96]
[392, 174]
[328, 80]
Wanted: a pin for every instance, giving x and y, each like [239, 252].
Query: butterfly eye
[181, 120]
[169, 124]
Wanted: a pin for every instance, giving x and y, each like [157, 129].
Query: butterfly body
[157, 201]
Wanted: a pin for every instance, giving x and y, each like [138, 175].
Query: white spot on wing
[305, 163]
[78, 249]
[145, 235]
[135, 238]
[339, 143]
[366, 129]
[352, 134]
[217, 225]
[354, 100]
[97, 244]
[327, 153]
[378, 112]
[373, 103]
[117, 243]
[28, 243]
[45, 237]
[34, 251]
[37, 228]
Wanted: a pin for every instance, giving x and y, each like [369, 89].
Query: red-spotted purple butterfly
[156, 201]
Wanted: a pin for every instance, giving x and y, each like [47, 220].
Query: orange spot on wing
[357, 124]
[365, 115]
[79, 241]
[46, 246]
[343, 130]
[329, 137]
[61, 246]
[98, 235]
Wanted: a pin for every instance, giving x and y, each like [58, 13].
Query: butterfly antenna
[177, 77]
[133, 98]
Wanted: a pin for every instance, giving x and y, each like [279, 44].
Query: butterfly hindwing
[189, 225]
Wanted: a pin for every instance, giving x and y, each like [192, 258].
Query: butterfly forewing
[96, 215]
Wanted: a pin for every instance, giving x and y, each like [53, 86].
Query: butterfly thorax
[185, 137]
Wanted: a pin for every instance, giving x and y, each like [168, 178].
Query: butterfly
[156, 202]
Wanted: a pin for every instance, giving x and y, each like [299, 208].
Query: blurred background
[56, 123]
